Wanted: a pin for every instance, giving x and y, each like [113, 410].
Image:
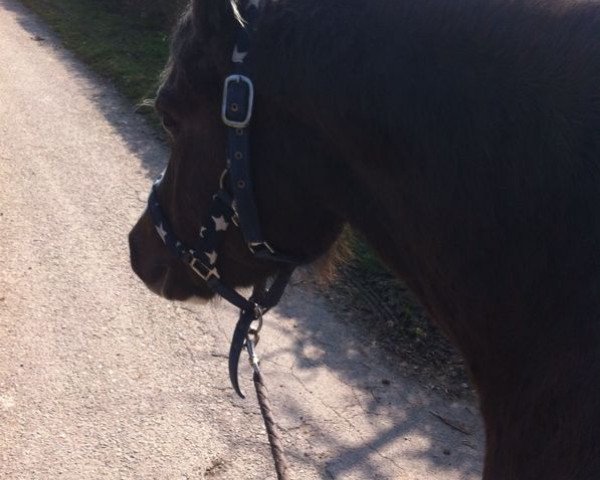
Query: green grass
[127, 50]
[364, 256]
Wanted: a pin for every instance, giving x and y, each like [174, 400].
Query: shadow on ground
[395, 420]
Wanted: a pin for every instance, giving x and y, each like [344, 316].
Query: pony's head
[288, 158]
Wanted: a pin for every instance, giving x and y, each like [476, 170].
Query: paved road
[99, 379]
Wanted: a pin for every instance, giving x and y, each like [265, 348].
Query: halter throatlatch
[233, 204]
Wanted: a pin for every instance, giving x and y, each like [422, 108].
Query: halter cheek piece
[233, 204]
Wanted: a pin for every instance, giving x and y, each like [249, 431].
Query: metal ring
[222, 179]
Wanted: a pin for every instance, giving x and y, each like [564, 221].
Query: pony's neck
[419, 120]
[546, 424]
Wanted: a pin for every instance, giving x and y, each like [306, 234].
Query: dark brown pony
[462, 139]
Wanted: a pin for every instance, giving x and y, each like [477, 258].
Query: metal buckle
[254, 247]
[224, 108]
[197, 266]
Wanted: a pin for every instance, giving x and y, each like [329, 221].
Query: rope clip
[252, 356]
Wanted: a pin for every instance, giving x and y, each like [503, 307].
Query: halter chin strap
[233, 204]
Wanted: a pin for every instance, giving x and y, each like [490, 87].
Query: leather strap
[238, 100]
[265, 300]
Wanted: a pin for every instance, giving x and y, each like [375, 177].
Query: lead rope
[281, 465]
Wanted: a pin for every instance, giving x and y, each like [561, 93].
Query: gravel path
[99, 379]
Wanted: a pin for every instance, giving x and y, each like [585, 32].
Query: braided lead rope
[281, 465]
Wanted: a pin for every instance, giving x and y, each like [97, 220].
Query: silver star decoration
[162, 232]
[202, 230]
[220, 223]
[212, 257]
[238, 57]
[214, 272]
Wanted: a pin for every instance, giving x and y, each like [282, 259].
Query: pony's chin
[197, 300]
[175, 286]
[176, 293]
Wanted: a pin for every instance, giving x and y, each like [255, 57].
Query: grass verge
[127, 50]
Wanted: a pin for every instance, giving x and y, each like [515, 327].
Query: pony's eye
[169, 123]
[166, 108]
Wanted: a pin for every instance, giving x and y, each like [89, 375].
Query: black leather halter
[233, 204]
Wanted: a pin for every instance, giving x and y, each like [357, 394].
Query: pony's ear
[213, 16]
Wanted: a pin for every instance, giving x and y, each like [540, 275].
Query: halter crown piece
[233, 204]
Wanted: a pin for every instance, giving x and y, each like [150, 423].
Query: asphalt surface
[100, 379]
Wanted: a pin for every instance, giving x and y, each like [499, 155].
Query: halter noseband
[232, 204]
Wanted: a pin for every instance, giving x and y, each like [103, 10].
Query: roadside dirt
[397, 323]
[99, 379]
